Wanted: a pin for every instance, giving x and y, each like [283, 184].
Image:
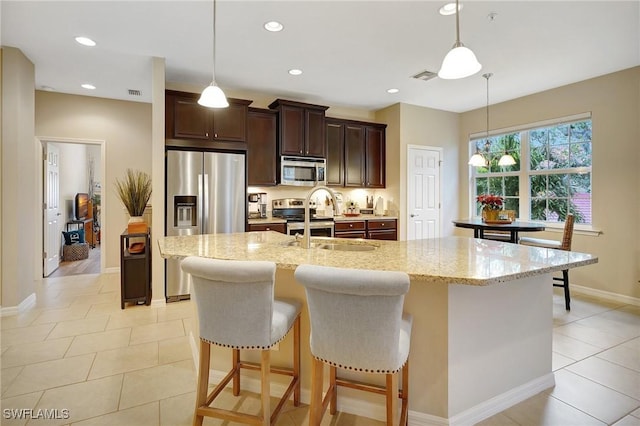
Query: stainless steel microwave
[302, 171]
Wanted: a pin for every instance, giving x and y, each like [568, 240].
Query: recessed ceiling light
[88, 86]
[85, 41]
[295, 71]
[273, 26]
[393, 90]
[449, 9]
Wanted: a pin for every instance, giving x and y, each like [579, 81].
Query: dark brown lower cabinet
[135, 268]
[372, 229]
[278, 227]
[351, 229]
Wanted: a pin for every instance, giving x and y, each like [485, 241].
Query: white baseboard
[607, 295]
[501, 402]
[26, 304]
[158, 303]
[112, 270]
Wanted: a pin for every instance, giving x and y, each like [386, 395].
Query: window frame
[525, 172]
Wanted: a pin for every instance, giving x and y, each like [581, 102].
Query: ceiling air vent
[133, 92]
[425, 75]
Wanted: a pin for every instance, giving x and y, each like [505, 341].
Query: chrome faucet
[306, 237]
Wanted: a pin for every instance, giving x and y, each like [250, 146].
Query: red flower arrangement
[491, 202]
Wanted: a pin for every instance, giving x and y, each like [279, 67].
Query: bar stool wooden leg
[203, 381]
[296, 361]
[392, 399]
[333, 388]
[265, 367]
[404, 395]
[236, 376]
[315, 409]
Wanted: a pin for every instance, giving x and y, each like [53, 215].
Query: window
[552, 174]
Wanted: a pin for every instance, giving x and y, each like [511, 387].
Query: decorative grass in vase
[134, 191]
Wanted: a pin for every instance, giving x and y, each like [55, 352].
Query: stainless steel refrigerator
[206, 194]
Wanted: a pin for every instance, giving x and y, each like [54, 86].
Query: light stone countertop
[362, 217]
[451, 260]
[265, 220]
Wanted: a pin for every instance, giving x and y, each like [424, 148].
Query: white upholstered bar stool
[237, 310]
[565, 244]
[358, 324]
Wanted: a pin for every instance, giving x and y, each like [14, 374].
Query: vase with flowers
[491, 206]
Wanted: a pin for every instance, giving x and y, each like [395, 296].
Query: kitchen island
[482, 313]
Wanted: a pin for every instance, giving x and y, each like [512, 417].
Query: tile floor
[77, 350]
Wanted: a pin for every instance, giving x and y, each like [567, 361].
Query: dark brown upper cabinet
[301, 128]
[261, 147]
[355, 153]
[187, 120]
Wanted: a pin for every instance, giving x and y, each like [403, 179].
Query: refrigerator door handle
[203, 188]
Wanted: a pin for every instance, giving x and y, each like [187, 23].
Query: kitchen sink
[348, 247]
[296, 243]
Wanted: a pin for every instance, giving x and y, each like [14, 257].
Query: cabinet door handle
[206, 134]
[268, 229]
[351, 225]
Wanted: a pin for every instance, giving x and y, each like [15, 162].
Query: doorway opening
[73, 171]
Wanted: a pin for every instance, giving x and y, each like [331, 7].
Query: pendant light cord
[213, 68]
[458, 44]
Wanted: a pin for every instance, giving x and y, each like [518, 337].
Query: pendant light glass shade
[213, 96]
[477, 160]
[460, 62]
[506, 160]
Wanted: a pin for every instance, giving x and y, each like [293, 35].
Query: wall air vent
[133, 92]
[425, 75]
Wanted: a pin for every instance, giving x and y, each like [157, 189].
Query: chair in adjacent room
[237, 310]
[565, 244]
[358, 324]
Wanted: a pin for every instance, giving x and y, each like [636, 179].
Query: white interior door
[423, 192]
[51, 214]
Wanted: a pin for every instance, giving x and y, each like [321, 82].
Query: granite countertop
[270, 219]
[362, 217]
[451, 260]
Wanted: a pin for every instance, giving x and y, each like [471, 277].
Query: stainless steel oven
[318, 228]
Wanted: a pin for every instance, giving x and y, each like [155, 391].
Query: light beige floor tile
[559, 361]
[144, 415]
[628, 421]
[46, 375]
[543, 409]
[592, 398]
[8, 375]
[131, 317]
[84, 400]
[102, 341]
[611, 375]
[157, 331]
[572, 348]
[590, 335]
[172, 350]
[612, 325]
[102, 309]
[498, 420]
[176, 310]
[78, 327]
[636, 413]
[18, 403]
[64, 314]
[626, 355]
[152, 384]
[21, 320]
[30, 353]
[130, 358]
[177, 410]
[32, 333]
[96, 299]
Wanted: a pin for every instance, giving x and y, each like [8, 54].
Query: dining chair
[237, 310]
[565, 244]
[357, 324]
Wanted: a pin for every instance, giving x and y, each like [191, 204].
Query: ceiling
[350, 52]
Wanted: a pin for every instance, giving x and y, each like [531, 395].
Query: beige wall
[125, 128]
[614, 102]
[20, 209]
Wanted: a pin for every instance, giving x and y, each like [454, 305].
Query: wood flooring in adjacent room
[75, 349]
[91, 265]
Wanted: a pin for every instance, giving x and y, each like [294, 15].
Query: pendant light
[506, 159]
[213, 96]
[477, 159]
[460, 62]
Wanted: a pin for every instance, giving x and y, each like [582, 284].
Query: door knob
[413, 215]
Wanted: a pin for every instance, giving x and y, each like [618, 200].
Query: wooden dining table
[479, 227]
